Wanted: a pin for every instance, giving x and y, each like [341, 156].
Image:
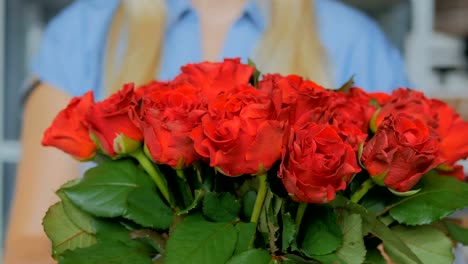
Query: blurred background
[431, 34]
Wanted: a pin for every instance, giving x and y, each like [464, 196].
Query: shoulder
[70, 51]
[357, 46]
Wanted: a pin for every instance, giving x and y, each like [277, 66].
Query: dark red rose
[316, 163]
[109, 122]
[401, 152]
[168, 118]
[214, 78]
[69, 132]
[237, 134]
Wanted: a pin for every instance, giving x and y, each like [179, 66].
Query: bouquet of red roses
[225, 165]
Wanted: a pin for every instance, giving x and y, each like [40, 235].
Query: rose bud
[110, 124]
[68, 131]
[316, 163]
[401, 152]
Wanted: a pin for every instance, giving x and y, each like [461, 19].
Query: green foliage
[439, 197]
[197, 240]
[352, 251]
[64, 233]
[428, 243]
[322, 234]
[288, 232]
[257, 256]
[248, 202]
[246, 236]
[120, 188]
[222, 207]
[109, 253]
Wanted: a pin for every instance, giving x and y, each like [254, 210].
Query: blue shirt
[71, 54]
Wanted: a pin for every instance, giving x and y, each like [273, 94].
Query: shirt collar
[177, 9]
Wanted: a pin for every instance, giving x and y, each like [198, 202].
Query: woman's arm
[40, 172]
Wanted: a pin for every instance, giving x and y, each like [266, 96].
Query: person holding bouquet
[99, 45]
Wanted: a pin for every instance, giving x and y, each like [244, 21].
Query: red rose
[411, 102]
[349, 112]
[452, 130]
[214, 78]
[150, 87]
[110, 123]
[380, 97]
[238, 135]
[285, 90]
[316, 163]
[168, 118]
[68, 131]
[401, 152]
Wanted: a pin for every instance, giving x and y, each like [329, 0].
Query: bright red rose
[349, 112]
[168, 118]
[401, 152]
[316, 163]
[69, 132]
[411, 102]
[452, 130]
[285, 90]
[237, 134]
[380, 97]
[214, 78]
[149, 88]
[441, 119]
[110, 123]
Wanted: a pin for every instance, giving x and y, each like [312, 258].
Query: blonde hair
[290, 43]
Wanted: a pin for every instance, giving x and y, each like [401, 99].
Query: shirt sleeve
[357, 47]
[70, 54]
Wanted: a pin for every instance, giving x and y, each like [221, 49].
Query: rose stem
[365, 187]
[262, 191]
[154, 172]
[181, 175]
[299, 215]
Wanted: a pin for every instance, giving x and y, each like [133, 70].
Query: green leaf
[293, 259]
[288, 232]
[145, 207]
[352, 250]
[109, 253]
[196, 241]
[457, 232]
[80, 218]
[120, 188]
[248, 203]
[322, 235]
[372, 225]
[428, 243]
[347, 86]
[246, 235]
[440, 196]
[257, 256]
[222, 207]
[256, 74]
[63, 232]
[199, 194]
